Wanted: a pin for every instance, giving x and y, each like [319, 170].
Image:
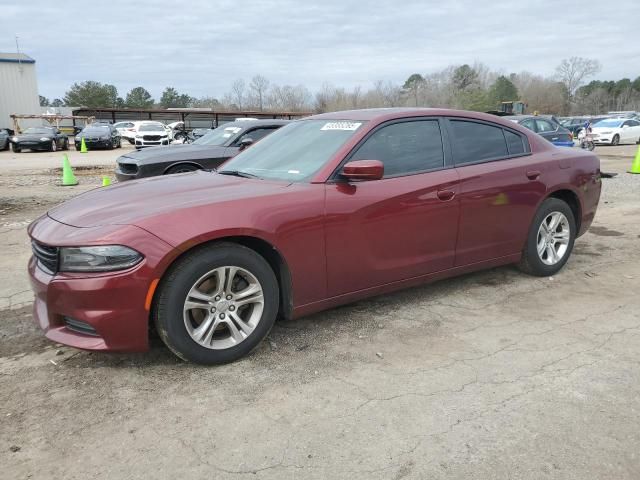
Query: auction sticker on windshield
[341, 126]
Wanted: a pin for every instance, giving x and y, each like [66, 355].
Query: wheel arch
[266, 250]
[183, 162]
[571, 198]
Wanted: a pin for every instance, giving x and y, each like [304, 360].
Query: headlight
[97, 259]
[14, 139]
[45, 139]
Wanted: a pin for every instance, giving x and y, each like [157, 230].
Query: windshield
[151, 128]
[39, 131]
[219, 136]
[296, 151]
[609, 123]
[96, 130]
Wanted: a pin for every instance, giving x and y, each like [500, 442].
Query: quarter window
[474, 142]
[405, 148]
[515, 143]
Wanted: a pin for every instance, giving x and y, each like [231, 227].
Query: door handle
[533, 174]
[446, 195]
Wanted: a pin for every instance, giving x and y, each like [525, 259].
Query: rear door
[499, 189]
[399, 227]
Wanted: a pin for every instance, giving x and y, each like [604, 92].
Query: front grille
[79, 327]
[152, 138]
[47, 256]
[128, 168]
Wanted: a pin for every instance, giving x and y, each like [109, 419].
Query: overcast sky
[201, 46]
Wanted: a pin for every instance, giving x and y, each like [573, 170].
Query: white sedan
[614, 131]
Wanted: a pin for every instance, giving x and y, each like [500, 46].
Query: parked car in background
[126, 130]
[4, 138]
[209, 151]
[576, 124]
[40, 138]
[98, 135]
[615, 131]
[151, 134]
[200, 132]
[328, 210]
[546, 127]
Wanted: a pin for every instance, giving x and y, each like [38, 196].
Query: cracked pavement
[490, 375]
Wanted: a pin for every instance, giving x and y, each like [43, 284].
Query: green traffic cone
[83, 146]
[68, 178]
[106, 181]
[635, 166]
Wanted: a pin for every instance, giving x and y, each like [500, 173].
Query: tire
[615, 140]
[177, 324]
[15, 148]
[119, 143]
[111, 145]
[65, 144]
[534, 263]
[53, 147]
[183, 168]
[131, 141]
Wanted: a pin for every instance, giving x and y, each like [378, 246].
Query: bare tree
[573, 71]
[259, 86]
[237, 92]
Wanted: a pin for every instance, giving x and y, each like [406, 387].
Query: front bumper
[127, 171]
[111, 304]
[33, 145]
[92, 144]
[140, 143]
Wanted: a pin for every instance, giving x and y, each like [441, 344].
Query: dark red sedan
[327, 210]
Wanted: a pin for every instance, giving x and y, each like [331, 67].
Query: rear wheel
[216, 304]
[183, 168]
[550, 240]
[615, 140]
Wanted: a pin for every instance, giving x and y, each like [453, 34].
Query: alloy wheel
[553, 238]
[223, 307]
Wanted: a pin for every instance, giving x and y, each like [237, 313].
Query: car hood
[133, 202]
[173, 152]
[33, 136]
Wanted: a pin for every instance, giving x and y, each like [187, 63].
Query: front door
[399, 227]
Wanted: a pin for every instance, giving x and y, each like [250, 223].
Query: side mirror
[246, 142]
[363, 170]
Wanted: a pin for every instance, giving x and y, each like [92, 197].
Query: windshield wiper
[237, 173]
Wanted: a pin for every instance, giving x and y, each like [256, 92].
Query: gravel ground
[490, 375]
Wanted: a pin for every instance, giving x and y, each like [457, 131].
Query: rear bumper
[568, 143]
[109, 306]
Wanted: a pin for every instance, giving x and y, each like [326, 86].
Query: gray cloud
[200, 47]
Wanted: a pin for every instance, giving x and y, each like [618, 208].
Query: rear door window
[475, 142]
[405, 148]
[545, 125]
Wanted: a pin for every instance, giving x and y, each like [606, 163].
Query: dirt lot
[492, 375]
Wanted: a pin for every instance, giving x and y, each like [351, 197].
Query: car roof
[378, 115]
[253, 123]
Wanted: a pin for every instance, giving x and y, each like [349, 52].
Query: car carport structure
[192, 117]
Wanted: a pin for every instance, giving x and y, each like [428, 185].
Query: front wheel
[15, 148]
[615, 140]
[54, 146]
[550, 239]
[65, 144]
[216, 304]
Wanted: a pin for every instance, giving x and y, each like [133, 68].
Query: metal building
[18, 87]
